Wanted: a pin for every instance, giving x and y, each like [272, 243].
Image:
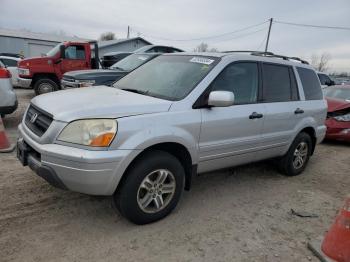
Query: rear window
[311, 84]
[278, 84]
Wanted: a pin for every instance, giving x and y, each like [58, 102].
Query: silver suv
[143, 139]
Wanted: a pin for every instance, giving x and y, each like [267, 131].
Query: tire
[289, 165]
[45, 85]
[130, 195]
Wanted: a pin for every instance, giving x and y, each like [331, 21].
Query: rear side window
[311, 84]
[279, 83]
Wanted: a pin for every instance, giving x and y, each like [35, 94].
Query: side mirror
[221, 98]
[62, 51]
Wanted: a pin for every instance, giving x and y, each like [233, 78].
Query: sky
[168, 22]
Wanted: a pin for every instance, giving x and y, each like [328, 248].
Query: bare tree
[321, 63]
[107, 36]
[204, 47]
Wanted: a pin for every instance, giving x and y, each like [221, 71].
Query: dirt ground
[241, 214]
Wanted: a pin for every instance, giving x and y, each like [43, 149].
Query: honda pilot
[144, 139]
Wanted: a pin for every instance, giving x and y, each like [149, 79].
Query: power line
[262, 42]
[208, 37]
[314, 26]
[240, 36]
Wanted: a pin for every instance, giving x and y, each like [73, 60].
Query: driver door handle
[298, 111]
[255, 115]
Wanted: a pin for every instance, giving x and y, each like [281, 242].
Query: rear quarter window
[311, 84]
[278, 83]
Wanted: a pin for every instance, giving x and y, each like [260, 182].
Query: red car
[338, 117]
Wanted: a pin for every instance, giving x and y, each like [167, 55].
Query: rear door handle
[298, 111]
[255, 115]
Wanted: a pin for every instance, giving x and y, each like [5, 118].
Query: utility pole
[268, 35]
[128, 34]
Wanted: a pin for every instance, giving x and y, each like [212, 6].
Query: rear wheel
[297, 157]
[152, 188]
[45, 85]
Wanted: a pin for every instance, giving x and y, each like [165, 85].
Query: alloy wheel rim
[156, 191]
[300, 155]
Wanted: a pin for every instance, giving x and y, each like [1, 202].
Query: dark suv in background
[84, 78]
[111, 58]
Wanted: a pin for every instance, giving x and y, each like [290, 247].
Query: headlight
[90, 132]
[23, 71]
[85, 83]
[343, 118]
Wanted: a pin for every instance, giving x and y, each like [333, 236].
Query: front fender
[141, 132]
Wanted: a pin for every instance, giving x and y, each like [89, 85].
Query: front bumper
[69, 84]
[80, 170]
[338, 130]
[24, 82]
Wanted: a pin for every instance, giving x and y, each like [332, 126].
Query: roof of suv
[262, 56]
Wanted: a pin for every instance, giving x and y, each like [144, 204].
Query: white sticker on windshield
[143, 58]
[202, 60]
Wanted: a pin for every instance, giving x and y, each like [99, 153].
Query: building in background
[30, 44]
[121, 45]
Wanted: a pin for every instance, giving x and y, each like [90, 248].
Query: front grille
[68, 79]
[37, 120]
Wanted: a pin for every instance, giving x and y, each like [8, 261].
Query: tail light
[4, 73]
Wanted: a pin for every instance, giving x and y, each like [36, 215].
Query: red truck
[44, 73]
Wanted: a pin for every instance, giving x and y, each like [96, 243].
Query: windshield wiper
[135, 91]
[118, 68]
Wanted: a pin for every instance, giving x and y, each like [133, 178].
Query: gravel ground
[240, 214]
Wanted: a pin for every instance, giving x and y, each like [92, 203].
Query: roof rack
[269, 54]
[240, 51]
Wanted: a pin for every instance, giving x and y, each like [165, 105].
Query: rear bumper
[24, 82]
[9, 109]
[320, 133]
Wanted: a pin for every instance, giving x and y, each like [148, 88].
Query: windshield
[169, 77]
[131, 62]
[54, 50]
[339, 93]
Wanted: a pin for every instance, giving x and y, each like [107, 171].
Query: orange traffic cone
[5, 146]
[336, 243]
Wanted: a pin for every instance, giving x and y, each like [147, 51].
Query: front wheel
[297, 157]
[45, 85]
[151, 189]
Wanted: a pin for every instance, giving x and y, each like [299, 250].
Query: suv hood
[98, 102]
[92, 74]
